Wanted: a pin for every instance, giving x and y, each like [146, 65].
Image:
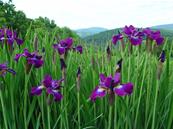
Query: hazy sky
[101, 13]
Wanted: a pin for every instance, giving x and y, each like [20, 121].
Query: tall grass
[150, 105]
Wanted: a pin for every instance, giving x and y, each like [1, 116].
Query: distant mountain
[165, 27]
[89, 31]
[103, 37]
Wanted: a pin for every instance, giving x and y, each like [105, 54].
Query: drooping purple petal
[37, 63]
[26, 53]
[4, 69]
[135, 40]
[116, 38]
[98, 92]
[19, 41]
[57, 95]
[37, 90]
[154, 35]
[123, 89]
[159, 40]
[16, 58]
[32, 58]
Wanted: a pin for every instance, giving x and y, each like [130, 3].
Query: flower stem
[48, 114]
[155, 103]
[110, 117]
[3, 110]
[78, 100]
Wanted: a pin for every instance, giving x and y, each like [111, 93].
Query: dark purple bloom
[32, 58]
[129, 30]
[109, 85]
[162, 56]
[116, 38]
[78, 49]
[133, 34]
[9, 37]
[154, 35]
[135, 40]
[61, 50]
[65, 45]
[4, 69]
[52, 87]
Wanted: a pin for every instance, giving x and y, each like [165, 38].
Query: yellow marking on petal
[2, 72]
[105, 89]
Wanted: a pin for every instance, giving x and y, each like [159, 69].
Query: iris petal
[57, 95]
[98, 92]
[36, 90]
[124, 89]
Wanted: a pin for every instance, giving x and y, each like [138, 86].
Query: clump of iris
[4, 69]
[136, 35]
[51, 86]
[9, 37]
[32, 59]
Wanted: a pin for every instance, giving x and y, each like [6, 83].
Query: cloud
[104, 13]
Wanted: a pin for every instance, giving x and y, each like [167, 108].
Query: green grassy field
[150, 106]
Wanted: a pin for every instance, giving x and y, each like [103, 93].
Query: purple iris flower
[9, 37]
[78, 49]
[109, 85]
[133, 34]
[129, 30]
[65, 45]
[51, 86]
[4, 69]
[154, 35]
[32, 58]
[116, 38]
[162, 56]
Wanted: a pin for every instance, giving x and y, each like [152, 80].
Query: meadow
[148, 106]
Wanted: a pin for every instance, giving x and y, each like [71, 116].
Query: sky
[100, 13]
